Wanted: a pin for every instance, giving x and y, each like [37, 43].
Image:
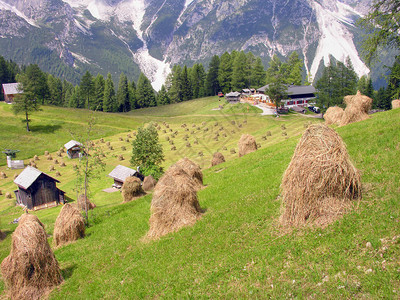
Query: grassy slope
[236, 249]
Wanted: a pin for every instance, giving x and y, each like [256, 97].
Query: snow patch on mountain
[9, 7]
[336, 40]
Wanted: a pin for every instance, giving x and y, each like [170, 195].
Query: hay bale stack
[233, 151]
[33, 165]
[69, 226]
[108, 143]
[217, 159]
[200, 153]
[121, 157]
[193, 170]
[395, 104]
[84, 202]
[333, 115]
[320, 181]
[247, 144]
[46, 152]
[59, 154]
[149, 183]
[120, 138]
[36, 157]
[56, 161]
[357, 108]
[224, 148]
[58, 174]
[123, 148]
[174, 203]
[31, 270]
[173, 148]
[8, 195]
[132, 189]
[3, 175]
[51, 168]
[269, 133]
[49, 157]
[62, 164]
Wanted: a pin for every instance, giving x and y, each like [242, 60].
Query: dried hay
[233, 131]
[62, 150]
[333, 115]
[258, 145]
[1, 192]
[123, 148]
[247, 144]
[196, 142]
[120, 138]
[233, 151]
[121, 157]
[56, 161]
[224, 148]
[3, 175]
[193, 170]
[49, 157]
[46, 152]
[59, 154]
[132, 189]
[357, 108]
[36, 157]
[62, 164]
[84, 202]
[284, 133]
[101, 140]
[51, 168]
[173, 148]
[283, 127]
[320, 181]
[217, 159]
[108, 144]
[69, 226]
[264, 137]
[188, 145]
[58, 174]
[110, 147]
[149, 183]
[8, 195]
[31, 270]
[200, 153]
[127, 140]
[268, 133]
[395, 104]
[174, 203]
[33, 165]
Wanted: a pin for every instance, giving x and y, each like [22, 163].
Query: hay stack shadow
[31, 270]
[174, 203]
[69, 226]
[320, 181]
[247, 144]
[132, 189]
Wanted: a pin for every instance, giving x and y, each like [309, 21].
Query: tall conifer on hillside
[145, 96]
[109, 100]
[123, 100]
[212, 84]
[99, 85]
[225, 73]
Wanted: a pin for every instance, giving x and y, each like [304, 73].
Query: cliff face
[151, 35]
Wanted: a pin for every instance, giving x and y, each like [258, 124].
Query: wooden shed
[37, 190]
[119, 174]
[10, 90]
[233, 97]
[73, 148]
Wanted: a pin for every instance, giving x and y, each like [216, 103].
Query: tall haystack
[174, 204]
[218, 158]
[69, 226]
[132, 189]
[149, 183]
[247, 144]
[357, 108]
[395, 104]
[320, 181]
[84, 202]
[31, 270]
[193, 170]
[333, 115]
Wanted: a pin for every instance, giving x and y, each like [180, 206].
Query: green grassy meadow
[237, 249]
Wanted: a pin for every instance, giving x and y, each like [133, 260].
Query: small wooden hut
[37, 190]
[233, 97]
[10, 90]
[119, 174]
[73, 148]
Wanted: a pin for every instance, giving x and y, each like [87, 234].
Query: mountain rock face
[67, 37]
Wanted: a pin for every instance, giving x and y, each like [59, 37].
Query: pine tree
[197, 77]
[99, 85]
[74, 100]
[132, 94]
[273, 68]
[295, 69]
[225, 73]
[109, 100]
[239, 76]
[258, 74]
[145, 96]
[36, 82]
[55, 90]
[123, 100]
[87, 88]
[250, 61]
[67, 90]
[174, 84]
[162, 96]
[211, 84]
[186, 85]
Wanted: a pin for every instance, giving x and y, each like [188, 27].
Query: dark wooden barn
[37, 190]
[73, 148]
[119, 174]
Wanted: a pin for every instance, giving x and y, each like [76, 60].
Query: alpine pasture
[238, 247]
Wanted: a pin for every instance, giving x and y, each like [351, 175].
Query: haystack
[132, 189]
[174, 204]
[357, 108]
[247, 144]
[193, 170]
[84, 202]
[333, 115]
[217, 159]
[69, 226]
[395, 104]
[3, 175]
[320, 181]
[149, 183]
[31, 270]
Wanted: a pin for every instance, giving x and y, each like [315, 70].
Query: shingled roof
[11, 88]
[72, 144]
[28, 176]
[121, 173]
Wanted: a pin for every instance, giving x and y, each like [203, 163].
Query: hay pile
[357, 108]
[395, 104]
[132, 189]
[83, 202]
[174, 203]
[31, 270]
[69, 226]
[193, 170]
[333, 115]
[3, 175]
[320, 181]
[247, 144]
[217, 159]
[149, 183]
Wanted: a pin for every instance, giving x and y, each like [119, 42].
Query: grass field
[236, 250]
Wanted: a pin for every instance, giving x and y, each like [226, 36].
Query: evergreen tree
[174, 84]
[145, 96]
[67, 90]
[362, 84]
[74, 100]
[239, 76]
[132, 94]
[383, 100]
[185, 85]
[109, 100]
[295, 69]
[394, 79]
[225, 73]
[99, 84]
[250, 61]
[277, 90]
[211, 84]
[87, 88]
[162, 96]
[55, 90]
[35, 80]
[123, 99]
[274, 68]
[258, 74]
[197, 77]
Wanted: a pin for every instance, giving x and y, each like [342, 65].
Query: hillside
[237, 249]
